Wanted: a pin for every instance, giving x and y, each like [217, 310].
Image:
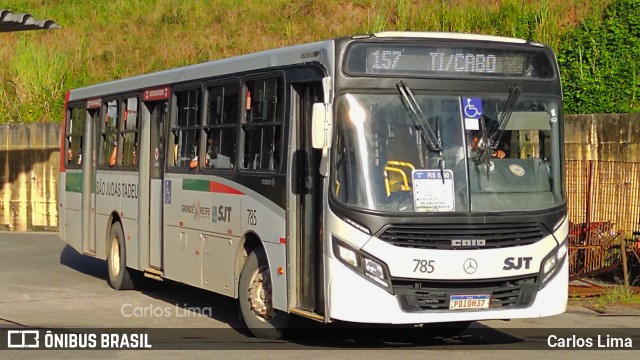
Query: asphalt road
[45, 284]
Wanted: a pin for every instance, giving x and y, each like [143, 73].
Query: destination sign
[442, 61]
[94, 103]
[156, 94]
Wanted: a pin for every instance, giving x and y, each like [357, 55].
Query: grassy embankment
[106, 40]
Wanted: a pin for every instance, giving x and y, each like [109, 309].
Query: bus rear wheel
[255, 296]
[119, 276]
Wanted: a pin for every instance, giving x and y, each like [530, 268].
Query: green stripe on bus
[195, 185]
[73, 182]
[209, 186]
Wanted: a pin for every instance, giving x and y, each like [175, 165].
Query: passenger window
[262, 125]
[129, 133]
[75, 136]
[186, 130]
[222, 117]
[109, 132]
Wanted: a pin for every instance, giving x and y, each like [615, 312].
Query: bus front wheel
[255, 296]
[119, 276]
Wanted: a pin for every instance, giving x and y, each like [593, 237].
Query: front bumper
[353, 298]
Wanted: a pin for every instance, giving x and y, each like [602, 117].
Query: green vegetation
[107, 40]
[600, 61]
[619, 295]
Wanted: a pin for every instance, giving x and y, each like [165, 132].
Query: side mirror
[321, 125]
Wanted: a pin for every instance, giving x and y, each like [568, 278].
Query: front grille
[462, 236]
[434, 295]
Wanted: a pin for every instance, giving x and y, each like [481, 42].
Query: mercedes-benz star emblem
[470, 266]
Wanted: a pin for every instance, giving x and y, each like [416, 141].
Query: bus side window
[129, 132]
[109, 131]
[262, 125]
[75, 136]
[220, 127]
[186, 129]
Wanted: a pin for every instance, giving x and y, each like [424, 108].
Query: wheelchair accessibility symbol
[472, 107]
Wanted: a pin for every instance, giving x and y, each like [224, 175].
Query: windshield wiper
[486, 150]
[496, 136]
[431, 138]
[415, 113]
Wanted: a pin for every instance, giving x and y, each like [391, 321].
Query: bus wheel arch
[113, 218]
[248, 243]
[119, 276]
[255, 292]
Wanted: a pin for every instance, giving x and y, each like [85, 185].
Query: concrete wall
[29, 160]
[606, 137]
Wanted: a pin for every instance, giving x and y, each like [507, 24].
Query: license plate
[457, 302]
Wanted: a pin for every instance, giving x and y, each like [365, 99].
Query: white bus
[392, 178]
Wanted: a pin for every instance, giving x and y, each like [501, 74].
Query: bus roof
[448, 35]
[319, 52]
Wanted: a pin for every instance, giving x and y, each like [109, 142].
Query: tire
[255, 294]
[119, 275]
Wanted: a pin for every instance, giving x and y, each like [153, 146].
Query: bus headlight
[552, 263]
[347, 256]
[366, 266]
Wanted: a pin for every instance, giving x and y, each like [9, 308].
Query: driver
[477, 143]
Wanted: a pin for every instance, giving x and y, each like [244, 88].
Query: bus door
[90, 167]
[159, 111]
[307, 189]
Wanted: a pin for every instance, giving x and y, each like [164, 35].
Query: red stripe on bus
[222, 188]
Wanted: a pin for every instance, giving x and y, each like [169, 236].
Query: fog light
[375, 272]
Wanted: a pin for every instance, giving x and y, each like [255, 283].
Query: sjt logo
[511, 264]
[221, 213]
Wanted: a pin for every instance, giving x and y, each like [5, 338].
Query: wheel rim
[260, 294]
[115, 256]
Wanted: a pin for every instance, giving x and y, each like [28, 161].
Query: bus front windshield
[422, 153]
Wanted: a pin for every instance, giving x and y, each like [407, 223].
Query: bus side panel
[102, 235]
[62, 177]
[183, 241]
[218, 260]
[220, 247]
[129, 216]
[261, 216]
[277, 256]
[108, 201]
[130, 228]
[155, 224]
[72, 208]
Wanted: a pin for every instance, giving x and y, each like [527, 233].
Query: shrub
[600, 59]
